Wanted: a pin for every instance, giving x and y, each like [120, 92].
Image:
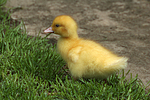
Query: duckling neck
[74, 35]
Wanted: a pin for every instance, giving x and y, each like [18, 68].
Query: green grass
[31, 69]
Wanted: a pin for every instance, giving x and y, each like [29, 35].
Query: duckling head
[63, 25]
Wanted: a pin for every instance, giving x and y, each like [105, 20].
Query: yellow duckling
[85, 58]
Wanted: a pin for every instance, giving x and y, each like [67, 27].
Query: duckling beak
[48, 30]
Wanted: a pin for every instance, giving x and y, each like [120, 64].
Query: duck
[85, 58]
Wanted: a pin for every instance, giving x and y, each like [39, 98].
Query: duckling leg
[75, 78]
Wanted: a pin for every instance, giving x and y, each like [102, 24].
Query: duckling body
[85, 58]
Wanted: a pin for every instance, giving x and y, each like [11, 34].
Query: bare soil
[122, 26]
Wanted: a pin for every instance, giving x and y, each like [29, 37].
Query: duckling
[85, 58]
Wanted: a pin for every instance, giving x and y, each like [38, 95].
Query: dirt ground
[122, 26]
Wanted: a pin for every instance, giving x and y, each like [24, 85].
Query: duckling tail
[117, 65]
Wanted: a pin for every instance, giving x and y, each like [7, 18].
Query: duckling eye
[57, 25]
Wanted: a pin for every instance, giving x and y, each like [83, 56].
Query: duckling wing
[74, 53]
